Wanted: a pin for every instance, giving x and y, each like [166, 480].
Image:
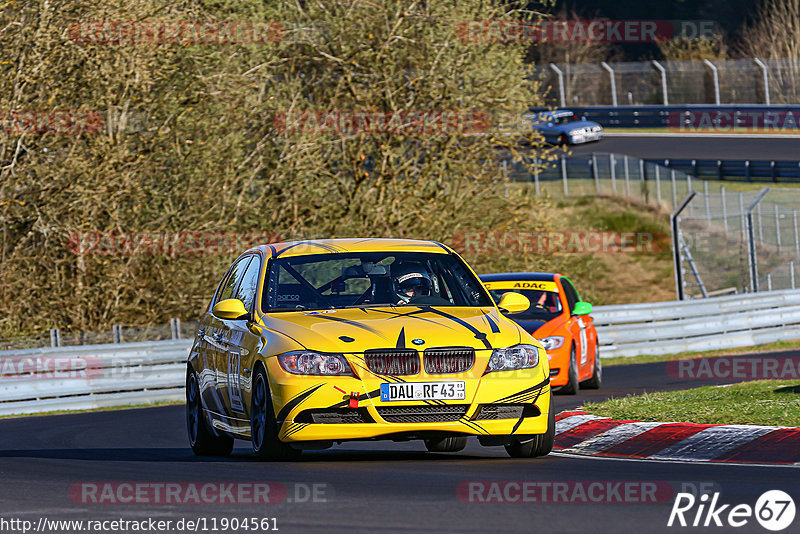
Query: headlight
[306, 362]
[552, 342]
[513, 358]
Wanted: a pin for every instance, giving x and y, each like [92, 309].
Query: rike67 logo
[774, 510]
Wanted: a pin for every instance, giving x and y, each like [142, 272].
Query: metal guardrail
[96, 376]
[720, 116]
[91, 376]
[735, 170]
[695, 325]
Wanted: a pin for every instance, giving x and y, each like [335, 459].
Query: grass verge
[654, 358]
[761, 402]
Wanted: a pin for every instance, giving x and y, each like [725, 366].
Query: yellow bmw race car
[306, 344]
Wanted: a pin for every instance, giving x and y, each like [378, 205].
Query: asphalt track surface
[740, 147]
[391, 487]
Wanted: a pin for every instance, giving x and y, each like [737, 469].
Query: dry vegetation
[189, 143]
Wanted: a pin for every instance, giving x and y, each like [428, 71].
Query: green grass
[653, 358]
[104, 409]
[762, 402]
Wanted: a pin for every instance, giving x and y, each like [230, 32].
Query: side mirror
[513, 303]
[230, 309]
[582, 308]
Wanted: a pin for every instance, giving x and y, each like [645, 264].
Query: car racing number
[584, 342]
[235, 380]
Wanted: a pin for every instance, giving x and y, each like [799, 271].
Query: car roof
[337, 246]
[518, 277]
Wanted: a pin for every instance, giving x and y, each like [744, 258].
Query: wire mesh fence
[739, 242]
[732, 81]
[602, 174]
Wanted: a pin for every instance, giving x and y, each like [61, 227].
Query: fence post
[766, 80]
[560, 84]
[674, 189]
[715, 74]
[708, 203]
[613, 82]
[612, 163]
[663, 72]
[55, 337]
[658, 186]
[778, 228]
[536, 175]
[791, 271]
[116, 332]
[676, 242]
[760, 226]
[595, 173]
[627, 179]
[769, 281]
[564, 174]
[752, 255]
[724, 210]
[642, 181]
[796, 236]
[742, 216]
[175, 327]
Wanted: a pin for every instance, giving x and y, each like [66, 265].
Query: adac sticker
[537, 286]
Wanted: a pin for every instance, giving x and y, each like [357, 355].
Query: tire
[263, 426]
[597, 375]
[449, 444]
[563, 140]
[540, 445]
[203, 440]
[571, 387]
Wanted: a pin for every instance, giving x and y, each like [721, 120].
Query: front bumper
[586, 138]
[296, 399]
[559, 365]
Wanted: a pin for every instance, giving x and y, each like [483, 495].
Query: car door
[577, 327]
[217, 332]
[242, 343]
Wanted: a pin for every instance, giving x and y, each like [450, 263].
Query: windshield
[545, 305]
[333, 281]
[564, 119]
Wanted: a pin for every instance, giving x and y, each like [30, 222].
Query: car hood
[358, 329]
[578, 124]
[531, 325]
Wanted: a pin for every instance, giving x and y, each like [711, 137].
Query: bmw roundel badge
[418, 341]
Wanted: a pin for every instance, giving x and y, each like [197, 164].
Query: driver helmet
[410, 279]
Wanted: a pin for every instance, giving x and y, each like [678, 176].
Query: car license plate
[423, 391]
